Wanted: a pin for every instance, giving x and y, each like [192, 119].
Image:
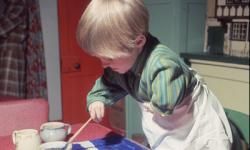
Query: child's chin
[119, 71]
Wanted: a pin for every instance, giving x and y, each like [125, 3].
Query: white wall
[49, 19]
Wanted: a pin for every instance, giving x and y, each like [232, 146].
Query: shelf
[217, 58]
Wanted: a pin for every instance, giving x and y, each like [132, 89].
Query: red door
[78, 70]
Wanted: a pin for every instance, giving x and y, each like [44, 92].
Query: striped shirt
[159, 76]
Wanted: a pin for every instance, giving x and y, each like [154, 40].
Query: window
[236, 1]
[245, 1]
[239, 31]
[229, 1]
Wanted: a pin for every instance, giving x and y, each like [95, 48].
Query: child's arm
[104, 92]
[168, 85]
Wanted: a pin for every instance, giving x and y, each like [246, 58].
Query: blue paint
[114, 142]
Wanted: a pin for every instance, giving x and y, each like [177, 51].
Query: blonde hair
[109, 27]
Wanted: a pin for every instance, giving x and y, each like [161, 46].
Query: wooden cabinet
[180, 24]
[117, 117]
[78, 70]
[229, 82]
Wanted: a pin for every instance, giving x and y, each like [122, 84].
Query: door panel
[78, 70]
[71, 64]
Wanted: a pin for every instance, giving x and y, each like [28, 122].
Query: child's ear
[140, 41]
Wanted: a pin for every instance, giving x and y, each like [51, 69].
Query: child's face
[125, 62]
[121, 64]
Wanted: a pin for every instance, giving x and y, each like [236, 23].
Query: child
[179, 112]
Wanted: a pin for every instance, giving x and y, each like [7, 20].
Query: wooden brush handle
[79, 130]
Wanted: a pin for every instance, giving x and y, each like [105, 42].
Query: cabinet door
[163, 20]
[192, 26]
[78, 70]
[179, 24]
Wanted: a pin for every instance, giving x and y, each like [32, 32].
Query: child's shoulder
[162, 58]
[163, 54]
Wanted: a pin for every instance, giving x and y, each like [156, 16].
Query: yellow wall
[229, 82]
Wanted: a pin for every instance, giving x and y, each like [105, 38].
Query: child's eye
[108, 59]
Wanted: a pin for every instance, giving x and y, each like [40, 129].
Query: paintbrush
[76, 133]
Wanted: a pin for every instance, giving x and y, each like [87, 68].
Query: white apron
[198, 123]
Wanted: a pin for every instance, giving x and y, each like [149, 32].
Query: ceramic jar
[54, 131]
[26, 139]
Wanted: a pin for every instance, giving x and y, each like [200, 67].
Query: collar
[143, 56]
